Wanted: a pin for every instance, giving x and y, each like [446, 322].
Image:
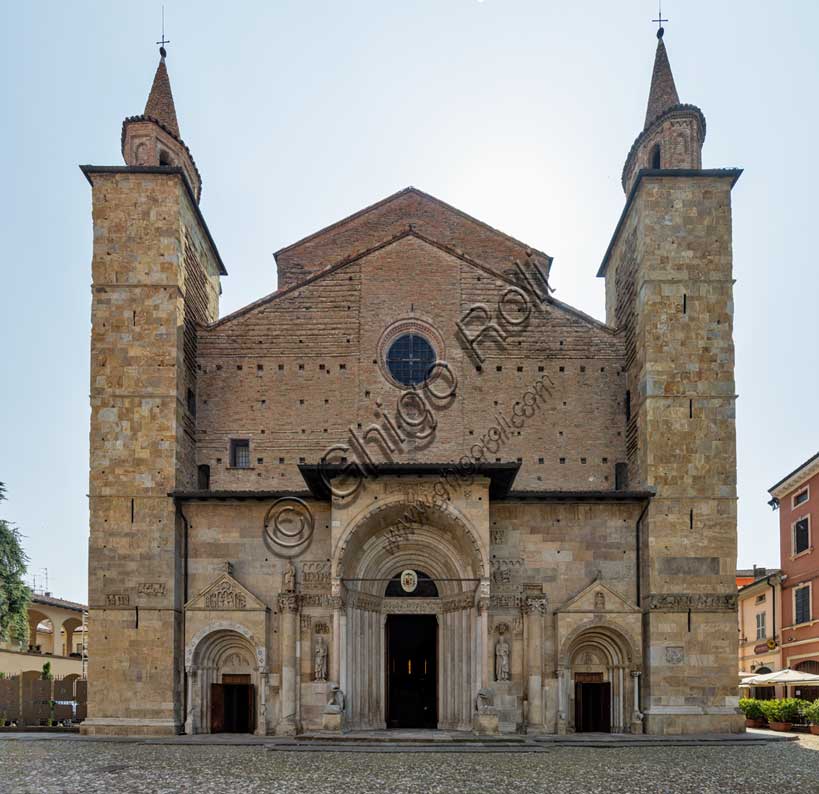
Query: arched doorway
[411, 643]
[224, 682]
[598, 686]
[380, 625]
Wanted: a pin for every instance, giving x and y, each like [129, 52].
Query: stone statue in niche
[599, 600]
[289, 578]
[320, 660]
[502, 653]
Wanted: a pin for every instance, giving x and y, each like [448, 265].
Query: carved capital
[535, 605]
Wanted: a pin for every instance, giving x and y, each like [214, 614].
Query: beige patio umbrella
[786, 677]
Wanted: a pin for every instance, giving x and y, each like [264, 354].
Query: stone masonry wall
[138, 307]
[682, 402]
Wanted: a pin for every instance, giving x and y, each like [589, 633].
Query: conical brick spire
[160, 101]
[663, 94]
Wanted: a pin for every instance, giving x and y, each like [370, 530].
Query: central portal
[412, 672]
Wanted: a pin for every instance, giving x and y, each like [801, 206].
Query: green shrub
[811, 712]
[786, 710]
[751, 708]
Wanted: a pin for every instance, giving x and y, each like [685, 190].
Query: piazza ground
[54, 766]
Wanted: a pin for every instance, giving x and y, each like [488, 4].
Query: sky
[299, 113]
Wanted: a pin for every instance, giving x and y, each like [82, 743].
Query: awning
[786, 677]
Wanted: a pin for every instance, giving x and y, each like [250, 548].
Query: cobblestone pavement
[60, 766]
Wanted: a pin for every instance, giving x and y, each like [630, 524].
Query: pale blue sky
[520, 113]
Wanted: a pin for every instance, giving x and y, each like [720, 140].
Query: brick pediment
[225, 593]
[409, 208]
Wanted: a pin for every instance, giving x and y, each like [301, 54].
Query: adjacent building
[796, 496]
[759, 609]
[57, 634]
[409, 487]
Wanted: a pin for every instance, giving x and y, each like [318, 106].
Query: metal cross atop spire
[659, 21]
[165, 41]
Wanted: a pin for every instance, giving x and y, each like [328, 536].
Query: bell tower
[669, 292]
[155, 281]
[673, 132]
[153, 139]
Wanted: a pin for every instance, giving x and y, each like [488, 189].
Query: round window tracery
[410, 358]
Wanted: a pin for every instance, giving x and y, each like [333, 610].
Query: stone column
[336, 646]
[289, 613]
[562, 700]
[261, 706]
[636, 715]
[483, 641]
[535, 608]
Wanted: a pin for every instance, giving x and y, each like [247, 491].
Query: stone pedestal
[333, 719]
[486, 722]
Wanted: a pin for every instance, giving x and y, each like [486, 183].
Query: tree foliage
[14, 595]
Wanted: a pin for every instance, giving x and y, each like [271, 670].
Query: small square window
[540, 461]
[541, 368]
[583, 461]
[520, 369]
[301, 366]
[302, 460]
[259, 367]
[801, 497]
[563, 460]
[240, 453]
[499, 368]
[281, 460]
[562, 369]
[239, 367]
[342, 366]
[260, 460]
[281, 367]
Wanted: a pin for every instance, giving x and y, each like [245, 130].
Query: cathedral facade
[410, 488]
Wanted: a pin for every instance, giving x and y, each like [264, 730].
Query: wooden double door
[233, 705]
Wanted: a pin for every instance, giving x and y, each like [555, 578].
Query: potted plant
[811, 713]
[752, 709]
[781, 714]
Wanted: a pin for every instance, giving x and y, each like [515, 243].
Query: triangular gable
[225, 594]
[504, 276]
[589, 600]
[409, 208]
